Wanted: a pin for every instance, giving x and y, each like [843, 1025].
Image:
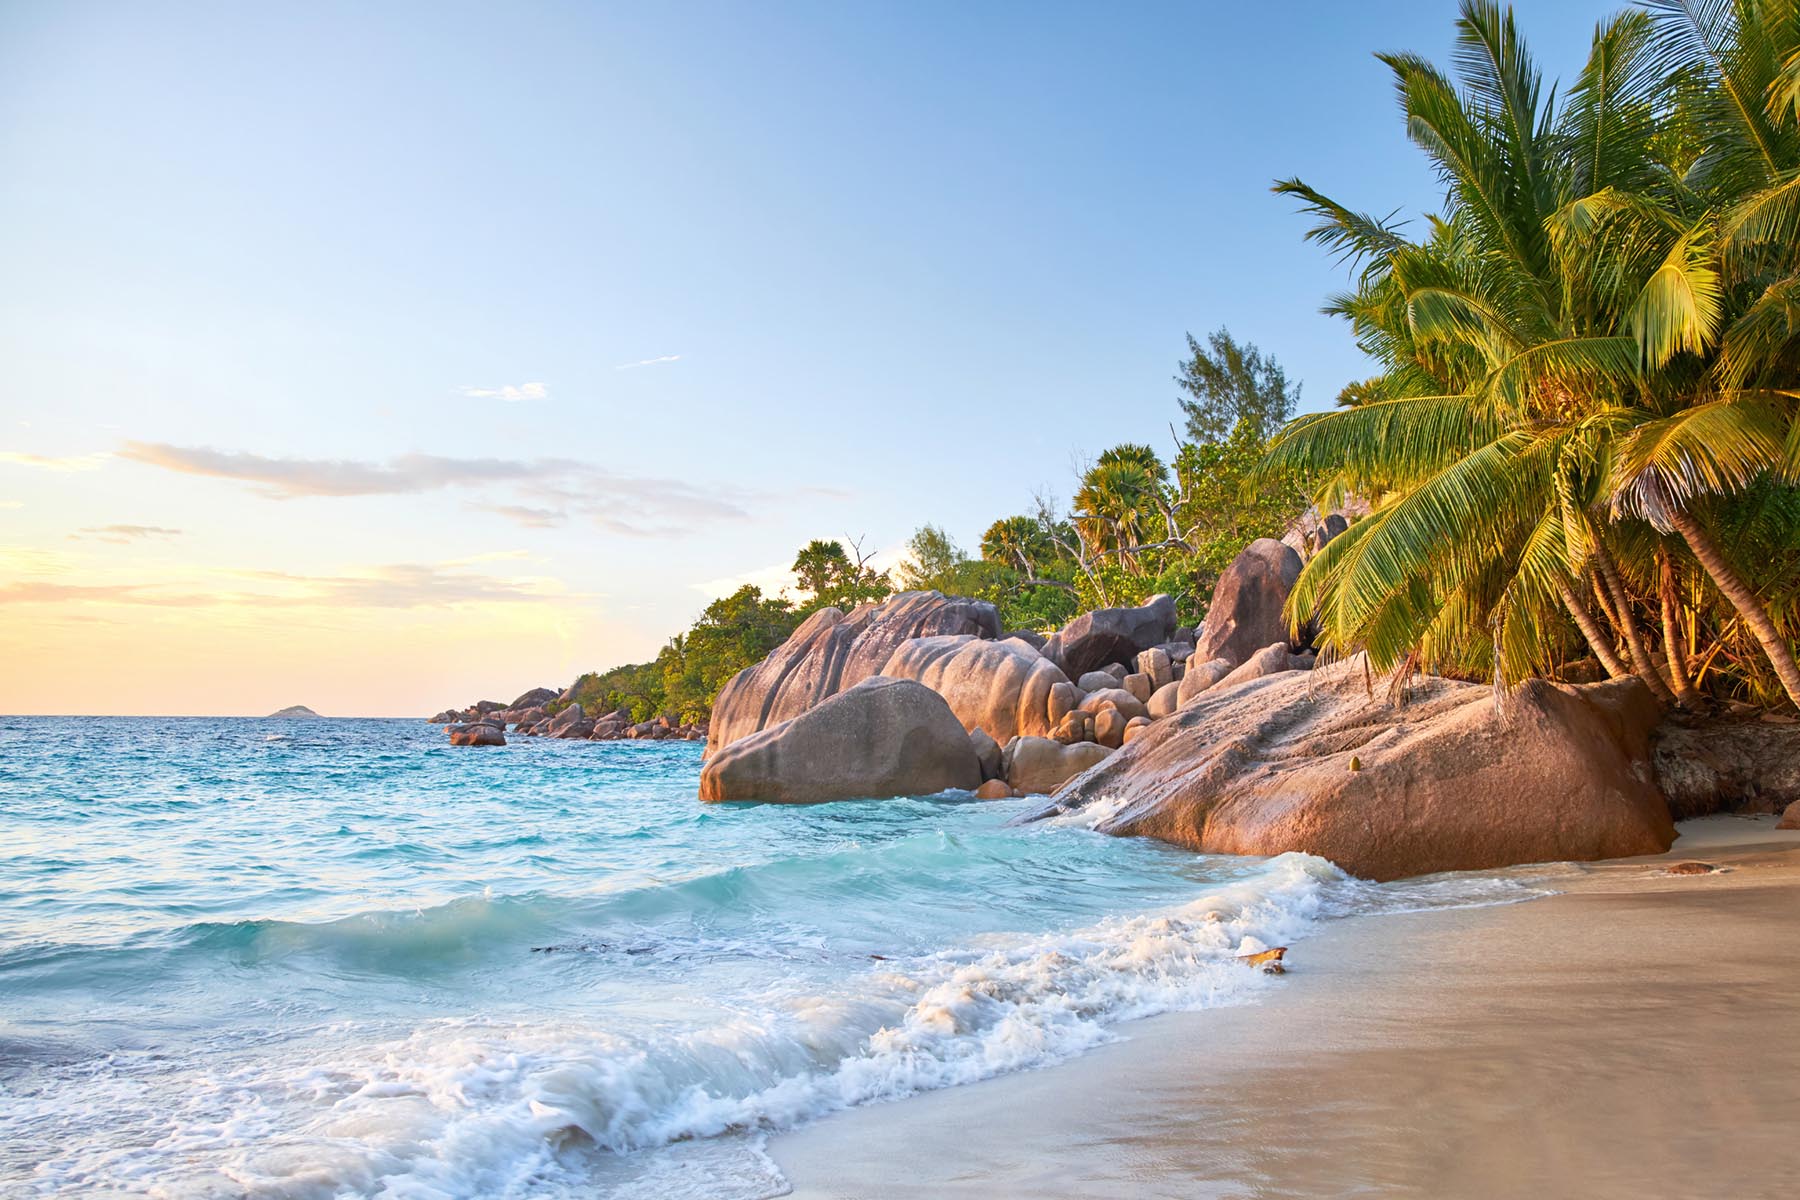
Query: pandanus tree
[1575, 355]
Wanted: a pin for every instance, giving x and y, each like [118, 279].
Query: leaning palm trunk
[1734, 589]
[1667, 594]
[1641, 657]
[1596, 637]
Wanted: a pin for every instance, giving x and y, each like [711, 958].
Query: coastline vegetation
[1582, 441]
[1580, 450]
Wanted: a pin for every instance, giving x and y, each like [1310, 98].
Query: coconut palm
[1553, 375]
[1121, 499]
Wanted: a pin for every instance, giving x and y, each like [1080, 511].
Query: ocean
[341, 958]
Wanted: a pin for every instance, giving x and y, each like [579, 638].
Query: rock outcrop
[1200, 677]
[1245, 614]
[476, 735]
[833, 651]
[882, 737]
[1038, 766]
[1002, 687]
[1724, 765]
[1308, 760]
[1111, 635]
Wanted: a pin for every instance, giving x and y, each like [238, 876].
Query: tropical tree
[1227, 384]
[830, 576]
[1554, 400]
[1121, 504]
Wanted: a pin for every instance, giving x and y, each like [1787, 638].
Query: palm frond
[1611, 112]
[1765, 336]
[1716, 448]
[1354, 239]
[1681, 304]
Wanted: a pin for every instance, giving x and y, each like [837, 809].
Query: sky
[382, 358]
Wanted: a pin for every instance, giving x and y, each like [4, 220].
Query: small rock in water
[1692, 868]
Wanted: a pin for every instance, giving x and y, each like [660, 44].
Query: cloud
[74, 462]
[648, 362]
[545, 491]
[529, 517]
[514, 392]
[283, 478]
[392, 586]
[121, 535]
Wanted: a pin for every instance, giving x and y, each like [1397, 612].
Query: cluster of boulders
[526, 709]
[572, 722]
[544, 712]
[1035, 711]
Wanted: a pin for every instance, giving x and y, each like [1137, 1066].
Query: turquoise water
[342, 958]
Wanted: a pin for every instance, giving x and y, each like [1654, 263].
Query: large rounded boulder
[1111, 635]
[1038, 766]
[833, 651]
[1001, 687]
[1448, 781]
[883, 737]
[1246, 606]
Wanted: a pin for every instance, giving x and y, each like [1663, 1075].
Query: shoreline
[1628, 1036]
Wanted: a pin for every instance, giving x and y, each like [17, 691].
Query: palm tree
[1552, 354]
[1120, 495]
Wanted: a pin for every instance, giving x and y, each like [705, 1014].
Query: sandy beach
[1630, 1036]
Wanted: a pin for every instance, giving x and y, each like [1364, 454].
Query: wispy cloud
[288, 477]
[392, 586]
[647, 362]
[529, 517]
[544, 492]
[122, 534]
[73, 462]
[514, 392]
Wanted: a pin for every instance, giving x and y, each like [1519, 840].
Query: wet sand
[1636, 1036]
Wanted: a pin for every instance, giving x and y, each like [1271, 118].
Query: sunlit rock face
[883, 737]
[1309, 760]
[833, 651]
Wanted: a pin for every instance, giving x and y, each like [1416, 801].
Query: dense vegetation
[1582, 437]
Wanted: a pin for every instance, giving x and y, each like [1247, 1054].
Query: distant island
[293, 710]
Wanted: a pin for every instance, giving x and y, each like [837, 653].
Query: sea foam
[473, 1108]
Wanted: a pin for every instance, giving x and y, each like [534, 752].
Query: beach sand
[1636, 1035]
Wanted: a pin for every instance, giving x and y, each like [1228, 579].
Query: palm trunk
[1734, 589]
[1596, 637]
[1641, 658]
[1679, 678]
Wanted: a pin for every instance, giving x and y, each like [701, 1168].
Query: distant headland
[293, 710]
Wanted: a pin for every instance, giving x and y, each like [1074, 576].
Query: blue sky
[450, 349]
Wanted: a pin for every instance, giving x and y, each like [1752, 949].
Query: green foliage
[831, 578]
[731, 634]
[1228, 384]
[1225, 502]
[1018, 572]
[1592, 347]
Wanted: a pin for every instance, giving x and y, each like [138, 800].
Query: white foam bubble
[461, 1108]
